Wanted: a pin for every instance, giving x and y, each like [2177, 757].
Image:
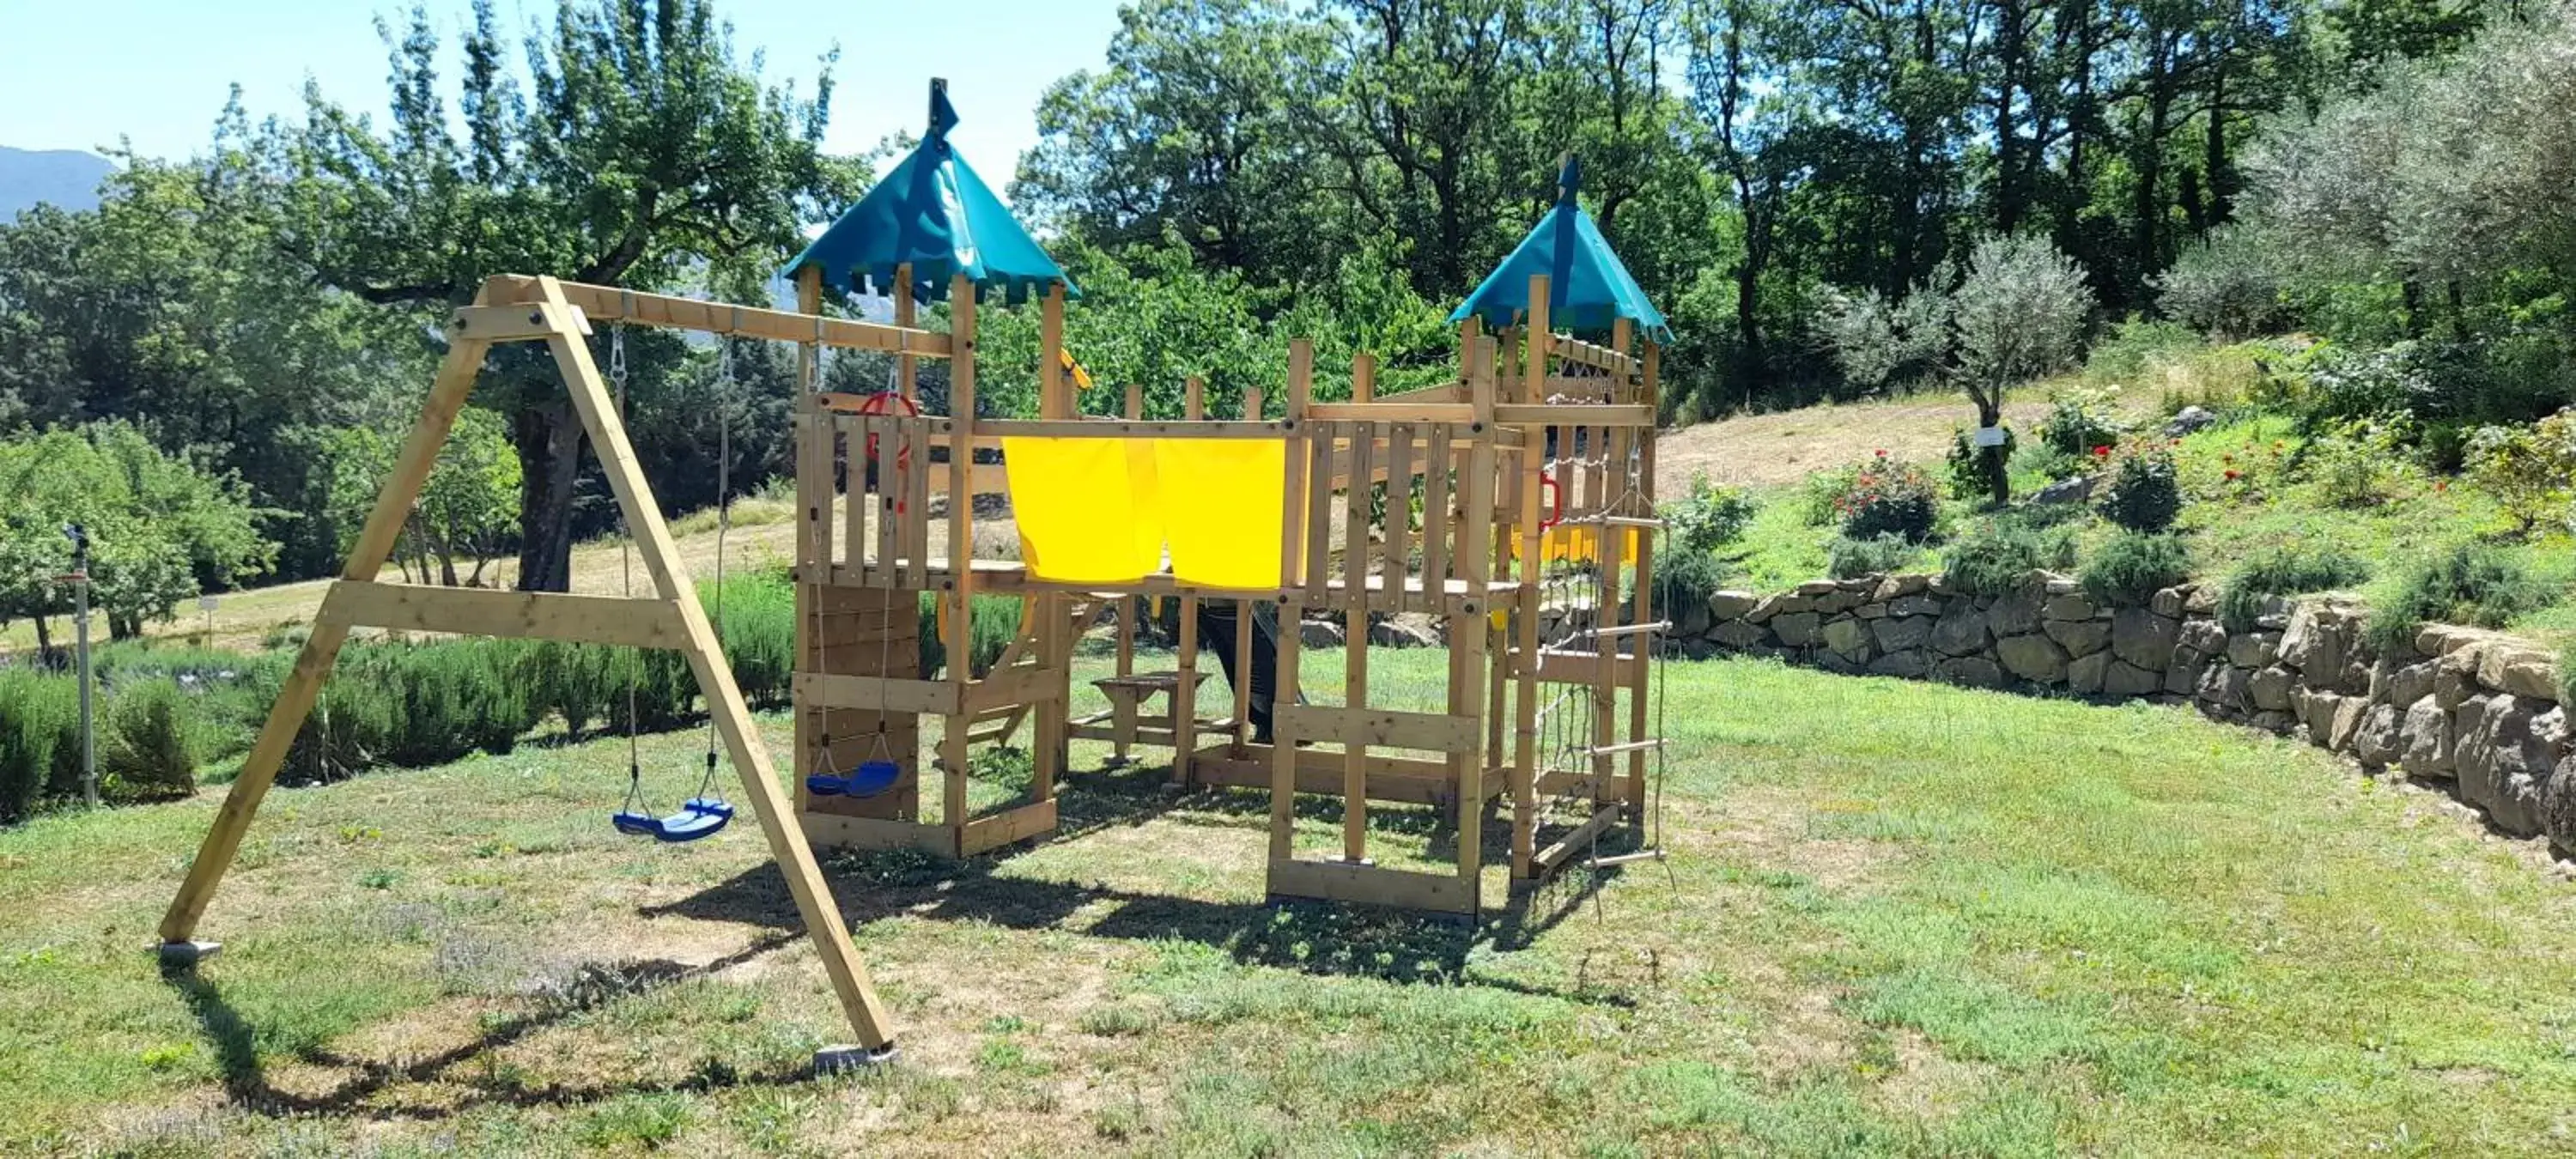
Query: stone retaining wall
[2474, 711]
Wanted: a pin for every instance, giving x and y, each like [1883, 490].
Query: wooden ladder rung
[1625, 746]
[1637, 521]
[1615, 631]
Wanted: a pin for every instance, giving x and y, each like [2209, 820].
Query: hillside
[67, 178]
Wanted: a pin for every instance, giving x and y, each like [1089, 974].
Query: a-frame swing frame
[510, 309]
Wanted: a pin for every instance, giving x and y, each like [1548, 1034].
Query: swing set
[1517, 512]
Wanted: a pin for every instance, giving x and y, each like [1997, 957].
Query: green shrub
[1997, 556]
[995, 624]
[1820, 496]
[2473, 583]
[2359, 462]
[2131, 348]
[2079, 419]
[1850, 558]
[1967, 465]
[39, 718]
[759, 635]
[2132, 566]
[1708, 518]
[1889, 497]
[2292, 570]
[2144, 495]
[146, 743]
[2529, 471]
[1685, 580]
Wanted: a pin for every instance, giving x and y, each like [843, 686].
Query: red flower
[2231, 476]
[2101, 452]
[1880, 453]
[2441, 484]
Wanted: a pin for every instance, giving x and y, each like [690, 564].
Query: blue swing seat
[699, 817]
[870, 779]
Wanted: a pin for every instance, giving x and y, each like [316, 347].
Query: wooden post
[1645, 579]
[1467, 630]
[1185, 696]
[1283, 749]
[903, 316]
[814, 511]
[961, 543]
[725, 705]
[1534, 358]
[1055, 631]
[303, 684]
[1355, 620]
[1243, 626]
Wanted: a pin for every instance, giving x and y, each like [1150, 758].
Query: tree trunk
[549, 445]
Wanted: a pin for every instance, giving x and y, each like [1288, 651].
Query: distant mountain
[66, 178]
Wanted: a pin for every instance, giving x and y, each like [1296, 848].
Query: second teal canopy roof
[1588, 288]
[934, 212]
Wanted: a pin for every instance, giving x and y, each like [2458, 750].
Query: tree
[2018, 313]
[471, 498]
[1880, 343]
[160, 529]
[643, 154]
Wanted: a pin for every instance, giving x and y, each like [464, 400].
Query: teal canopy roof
[934, 212]
[1587, 286]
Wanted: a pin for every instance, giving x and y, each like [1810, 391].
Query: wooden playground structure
[1533, 546]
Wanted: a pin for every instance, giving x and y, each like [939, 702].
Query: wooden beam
[1008, 687]
[1371, 885]
[512, 323]
[1018, 823]
[1602, 414]
[1423, 731]
[841, 831]
[303, 684]
[1550, 859]
[725, 705]
[877, 693]
[1393, 412]
[665, 311]
[992, 431]
[635, 623]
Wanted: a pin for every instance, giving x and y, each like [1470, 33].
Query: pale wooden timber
[1371, 885]
[666, 311]
[638, 623]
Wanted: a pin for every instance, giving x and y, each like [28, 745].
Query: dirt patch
[1775, 449]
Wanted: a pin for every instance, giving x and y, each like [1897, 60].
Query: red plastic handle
[1556, 513]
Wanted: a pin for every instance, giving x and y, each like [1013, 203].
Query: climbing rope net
[1579, 617]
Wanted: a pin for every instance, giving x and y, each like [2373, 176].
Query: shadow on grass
[247, 1084]
[1312, 937]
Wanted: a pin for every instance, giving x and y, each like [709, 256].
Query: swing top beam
[668, 311]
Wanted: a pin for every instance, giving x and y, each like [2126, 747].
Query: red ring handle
[1556, 513]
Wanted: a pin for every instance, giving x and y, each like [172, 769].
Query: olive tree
[2018, 313]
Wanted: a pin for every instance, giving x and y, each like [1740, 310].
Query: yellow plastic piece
[1223, 509]
[1086, 512]
[1577, 545]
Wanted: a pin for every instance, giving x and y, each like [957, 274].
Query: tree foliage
[160, 529]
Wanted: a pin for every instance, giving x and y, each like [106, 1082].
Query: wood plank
[876, 693]
[1015, 686]
[1437, 525]
[303, 683]
[509, 323]
[840, 831]
[1571, 414]
[1319, 510]
[1554, 857]
[1018, 823]
[640, 622]
[1467, 634]
[725, 706]
[916, 519]
[1398, 560]
[1371, 885]
[1424, 731]
[1400, 780]
[990, 432]
[1381, 412]
[665, 311]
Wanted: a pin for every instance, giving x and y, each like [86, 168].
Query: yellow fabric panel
[1577, 545]
[1146, 500]
[1221, 509]
[1076, 500]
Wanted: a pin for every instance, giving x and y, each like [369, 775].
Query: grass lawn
[1898, 919]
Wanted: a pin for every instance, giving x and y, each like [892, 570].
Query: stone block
[2519, 669]
[2312, 644]
[2376, 742]
[2222, 686]
[1912, 664]
[2125, 679]
[1961, 630]
[2408, 683]
[2558, 807]
[1914, 605]
[1740, 634]
[1775, 604]
[1731, 604]
[1848, 638]
[1834, 603]
[2079, 637]
[2199, 600]
[1870, 611]
[1796, 629]
[2032, 657]
[2349, 712]
[2182, 677]
[2269, 688]
[2085, 673]
[2424, 737]
[1897, 586]
[1818, 587]
[1319, 634]
[2278, 723]
[2143, 638]
[2166, 602]
[1895, 634]
[2500, 762]
[2013, 615]
[2253, 649]
[2451, 687]
[2203, 636]
[2067, 607]
[1975, 671]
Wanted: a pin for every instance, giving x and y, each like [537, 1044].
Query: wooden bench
[1127, 722]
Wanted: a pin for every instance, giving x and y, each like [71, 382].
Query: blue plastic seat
[872, 778]
[700, 817]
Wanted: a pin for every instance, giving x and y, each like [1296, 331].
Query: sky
[84, 75]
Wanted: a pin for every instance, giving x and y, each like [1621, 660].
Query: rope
[724, 523]
[626, 581]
